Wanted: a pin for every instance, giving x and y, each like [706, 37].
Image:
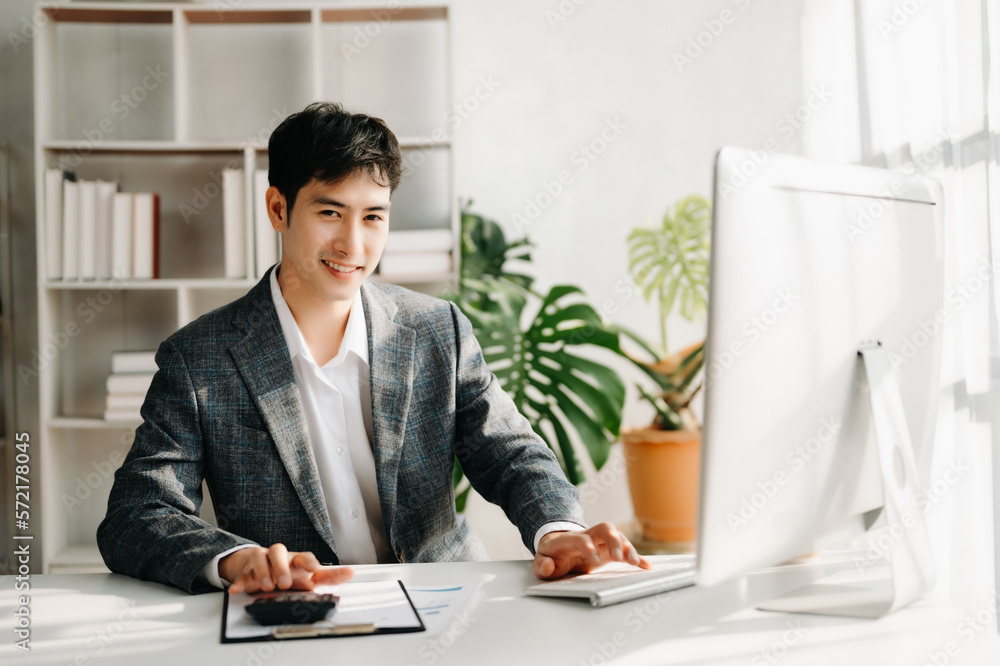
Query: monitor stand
[911, 567]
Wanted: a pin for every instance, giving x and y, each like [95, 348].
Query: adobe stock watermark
[120, 109]
[434, 648]
[795, 460]
[626, 288]
[86, 484]
[752, 330]
[459, 112]
[704, 39]
[971, 626]
[563, 11]
[58, 340]
[30, 27]
[900, 14]
[781, 646]
[883, 538]
[956, 299]
[786, 127]
[635, 621]
[260, 653]
[608, 476]
[371, 30]
[99, 642]
[202, 196]
[586, 154]
[873, 211]
[221, 7]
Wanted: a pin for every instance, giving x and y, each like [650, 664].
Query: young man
[325, 411]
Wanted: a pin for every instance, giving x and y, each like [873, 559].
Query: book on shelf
[121, 235]
[70, 229]
[93, 231]
[145, 235]
[104, 209]
[414, 264]
[234, 229]
[123, 362]
[418, 240]
[54, 221]
[266, 239]
[88, 227]
[122, 401]
[137, 382]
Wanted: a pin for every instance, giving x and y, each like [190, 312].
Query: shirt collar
[355, 336]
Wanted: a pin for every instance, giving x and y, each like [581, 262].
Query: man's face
[335, 236]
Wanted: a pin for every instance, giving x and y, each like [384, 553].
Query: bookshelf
[159, 97]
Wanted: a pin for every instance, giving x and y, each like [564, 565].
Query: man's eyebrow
[326, 201]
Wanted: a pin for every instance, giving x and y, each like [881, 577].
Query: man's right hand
[258, 569]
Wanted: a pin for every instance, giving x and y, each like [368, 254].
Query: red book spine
[156, 235]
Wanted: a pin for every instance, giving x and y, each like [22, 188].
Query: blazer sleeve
[504, 459]
[152, 529]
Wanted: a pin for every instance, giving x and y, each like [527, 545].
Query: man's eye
[376, 218]
[328, 213]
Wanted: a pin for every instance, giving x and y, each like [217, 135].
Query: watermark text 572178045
[22, 541]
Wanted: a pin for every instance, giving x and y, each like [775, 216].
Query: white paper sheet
[381, 603]
[440, 606]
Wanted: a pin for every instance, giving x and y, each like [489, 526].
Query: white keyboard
[615, 583]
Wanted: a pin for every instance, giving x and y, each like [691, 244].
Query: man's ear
[277, 209]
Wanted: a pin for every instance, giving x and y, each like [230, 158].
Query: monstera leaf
[557, 390]
[671, 261]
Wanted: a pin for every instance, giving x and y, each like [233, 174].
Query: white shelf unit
[159, 97]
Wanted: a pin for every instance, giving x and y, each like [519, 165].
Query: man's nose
[349, 239]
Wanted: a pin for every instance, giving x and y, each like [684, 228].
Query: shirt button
[355, 513]
[340, 450]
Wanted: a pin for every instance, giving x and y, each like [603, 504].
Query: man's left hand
[560, 553]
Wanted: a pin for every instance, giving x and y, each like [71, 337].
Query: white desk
[110, 619]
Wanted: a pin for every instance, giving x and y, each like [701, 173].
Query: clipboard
[364, 608]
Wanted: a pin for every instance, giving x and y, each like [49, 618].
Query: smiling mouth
[340, 268]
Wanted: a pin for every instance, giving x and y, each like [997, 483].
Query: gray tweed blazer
[224, 407]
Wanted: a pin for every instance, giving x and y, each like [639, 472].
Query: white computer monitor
[810, 262]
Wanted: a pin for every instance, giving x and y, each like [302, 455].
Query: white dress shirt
[336, 403]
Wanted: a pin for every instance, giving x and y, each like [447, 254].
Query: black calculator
[291, 607]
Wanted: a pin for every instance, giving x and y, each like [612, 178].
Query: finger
[244, 583]
[634, 557]
[612, 538]
[306, 561]
[333, 575]
[571, 551]
[261, 572]
[277, 557]
[543, 566]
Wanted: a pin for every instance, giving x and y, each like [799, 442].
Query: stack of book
[95, 232]
[131, 374]
[415, 254]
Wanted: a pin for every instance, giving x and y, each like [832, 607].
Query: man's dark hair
[325, 142]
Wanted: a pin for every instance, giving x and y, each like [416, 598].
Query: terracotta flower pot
[663, 480]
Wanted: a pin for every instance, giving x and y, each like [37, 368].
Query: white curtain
[916, 85]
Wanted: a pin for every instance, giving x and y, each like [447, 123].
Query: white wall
[557, 86]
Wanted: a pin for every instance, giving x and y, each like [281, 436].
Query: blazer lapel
[263, 361]
[390, 356]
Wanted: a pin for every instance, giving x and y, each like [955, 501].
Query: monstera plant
[530, 342]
